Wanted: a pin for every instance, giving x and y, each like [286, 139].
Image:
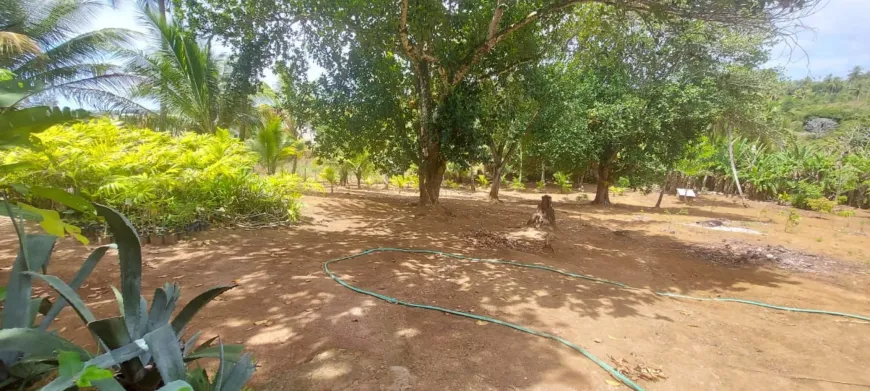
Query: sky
[838, 39]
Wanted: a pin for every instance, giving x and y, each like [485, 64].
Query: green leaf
[69, 363]
[198, 379]
[2, 293]
[62, 197]
[68, 294]
[130, 255]
[14, 90]
[91, 373]
[109, 384]
[34, 342]
[114, 333]
[163, 344]
[87, 267]
[236, 378]
[232, 353]
[17, 211]
[50, 221]
[189, 311]
[178, 385]
[17, 305]
[162, 306]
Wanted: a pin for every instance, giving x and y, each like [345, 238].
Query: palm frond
[94, 46]
[15, 44]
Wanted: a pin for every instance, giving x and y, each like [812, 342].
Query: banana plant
[146, 346]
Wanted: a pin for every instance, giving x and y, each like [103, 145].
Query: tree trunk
[543, 178]
[161, 7]
[358, 180]
[432, 164]
[734, 166]
[602, 192]
[544, 211]
[496, 182]
[662, 191]
[704, 183]
[293, 168]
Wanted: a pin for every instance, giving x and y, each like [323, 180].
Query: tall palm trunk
[734, 165]
[161, 6]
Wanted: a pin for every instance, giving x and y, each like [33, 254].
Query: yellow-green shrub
[157, 179]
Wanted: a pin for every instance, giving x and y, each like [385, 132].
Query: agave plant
[146, 346]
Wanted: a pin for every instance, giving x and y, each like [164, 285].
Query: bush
[623, 182]
[399, 181]
[562, 181]
[540, 185]
[482, 180]
[822, 204]
[617, 191]
[517, 184]
[805, 192]
[451, 184]
[820, 126]
[158, 180]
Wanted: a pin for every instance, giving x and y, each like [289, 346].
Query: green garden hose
[612, 371]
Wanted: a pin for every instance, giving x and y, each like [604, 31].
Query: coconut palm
[40, 44]
[181, 74]
[272, 142]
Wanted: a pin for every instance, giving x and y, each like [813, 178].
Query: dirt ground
[322, 336]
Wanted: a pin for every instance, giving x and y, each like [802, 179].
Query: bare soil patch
[309, 333]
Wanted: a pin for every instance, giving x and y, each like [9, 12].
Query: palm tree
[181, 75]
[273, 143]
[42, 46]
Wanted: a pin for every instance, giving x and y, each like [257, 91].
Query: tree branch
[493, 38]
[407, 47]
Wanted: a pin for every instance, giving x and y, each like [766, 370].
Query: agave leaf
[17, 305]
[198, 379]
[236, 378]
[35, 342]
[178, 385]
[130, 255]
[106, 360]
[80, 277]
[120, 299]
[164, 346]
[68, 294]
[189, 311]
[232, 353]
[162, 306]
[39, 305]
[219, 375]
[190, 342]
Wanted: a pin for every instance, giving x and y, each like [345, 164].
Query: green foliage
[540, 185]
[783, 198]
[561, 179]
[370, 180]
[482, 180]
[156, 179]
[330, 175]
[804, 193]
[399, 181]
[181, 75]
[846, 213]
[617, 191]
[623, 182]
[273, 143]
[792, 220]
[517, 184]
[821, 204]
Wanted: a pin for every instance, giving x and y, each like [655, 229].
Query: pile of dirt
[637, 370]
[483, 238]
[737, 253]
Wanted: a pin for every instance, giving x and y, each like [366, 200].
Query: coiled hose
[612, 371]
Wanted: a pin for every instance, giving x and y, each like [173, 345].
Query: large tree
[443, 44]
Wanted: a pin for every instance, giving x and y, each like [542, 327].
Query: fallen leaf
[612, 382]
[481, 323]
[197, 285]
[163, 276]
[178, 277]
[263, 323]
[613, 338]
